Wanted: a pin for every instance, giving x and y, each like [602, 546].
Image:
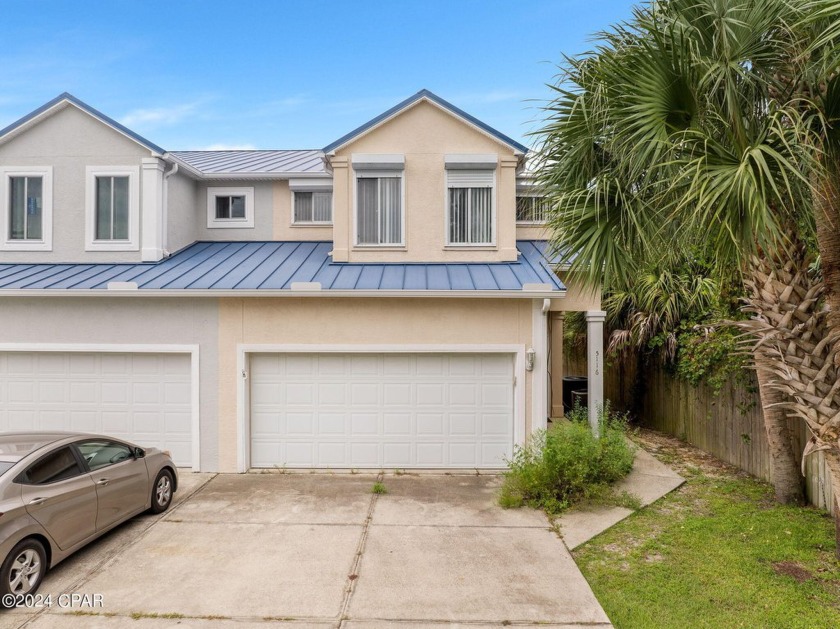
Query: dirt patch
[684, 458]
[792, 569]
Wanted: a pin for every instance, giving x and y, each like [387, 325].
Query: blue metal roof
[88, 109]
[439, 101]
[275, 266]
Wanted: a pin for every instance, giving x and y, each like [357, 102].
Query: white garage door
[143, 398]
[381, 410]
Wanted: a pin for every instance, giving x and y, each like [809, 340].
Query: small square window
[230, 208]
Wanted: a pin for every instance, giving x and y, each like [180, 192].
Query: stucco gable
[62, 102]
[425, 98]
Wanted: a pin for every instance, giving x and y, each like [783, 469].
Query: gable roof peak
[437, 100]
[48, 108]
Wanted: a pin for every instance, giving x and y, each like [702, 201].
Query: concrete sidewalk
[321, 550]
[649, 480]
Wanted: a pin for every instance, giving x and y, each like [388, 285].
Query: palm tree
[702, 122]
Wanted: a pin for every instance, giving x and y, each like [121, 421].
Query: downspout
[165, 217]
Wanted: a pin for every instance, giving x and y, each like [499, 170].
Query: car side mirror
[139, 453]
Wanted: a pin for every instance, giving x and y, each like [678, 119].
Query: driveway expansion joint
[353, 575]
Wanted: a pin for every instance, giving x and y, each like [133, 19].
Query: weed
[567, 464]
[379, 488]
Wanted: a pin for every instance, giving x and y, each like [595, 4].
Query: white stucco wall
[127, 320]
[70, 141]
[424, 134]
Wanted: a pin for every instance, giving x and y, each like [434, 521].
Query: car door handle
[37, 501]
[102, 482]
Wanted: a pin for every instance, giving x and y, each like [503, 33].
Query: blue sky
[195, 74]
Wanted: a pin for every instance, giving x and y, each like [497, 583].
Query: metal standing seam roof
[305, 162]
[275, 266]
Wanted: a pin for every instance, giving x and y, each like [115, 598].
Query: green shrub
[566, 464]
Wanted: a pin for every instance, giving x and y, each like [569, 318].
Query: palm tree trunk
[827, 218]
[787, 479]
[832, 460]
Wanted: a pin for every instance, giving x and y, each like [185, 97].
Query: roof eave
[436, 294]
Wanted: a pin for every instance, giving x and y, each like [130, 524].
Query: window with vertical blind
[470, 207]
[26, 208]
[111, 208]
[379, 209]
[112, 214]
[312, 206]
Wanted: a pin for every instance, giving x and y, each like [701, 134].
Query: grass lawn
[717, 552]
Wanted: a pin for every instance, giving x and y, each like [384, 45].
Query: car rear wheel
[162, 492]
[24, 568]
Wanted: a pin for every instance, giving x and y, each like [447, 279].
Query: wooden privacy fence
[728, 424]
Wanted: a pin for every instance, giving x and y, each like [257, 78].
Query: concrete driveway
[321, 550]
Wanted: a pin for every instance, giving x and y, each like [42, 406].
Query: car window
[100, 453]
[59, 465]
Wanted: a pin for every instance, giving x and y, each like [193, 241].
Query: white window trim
[230, 223]
[45, 243]
[493, 230]
[133, 241]
[376, 174]
[297, 223]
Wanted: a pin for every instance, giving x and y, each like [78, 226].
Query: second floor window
[112, 208]
[379, 211]
[470, 207]
[312, 207]
[26, 208]
[531, 209]
[228, 207]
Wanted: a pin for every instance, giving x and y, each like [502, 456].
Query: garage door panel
[145, 398]
[366, 424]
[364, 454]
[430, 454]
[396, 454]
[381, 410]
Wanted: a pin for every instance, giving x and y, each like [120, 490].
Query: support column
[151, 210]
[539, 367]
[595, 365]
[558, 320]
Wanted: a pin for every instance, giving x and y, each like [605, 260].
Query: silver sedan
[61, 490]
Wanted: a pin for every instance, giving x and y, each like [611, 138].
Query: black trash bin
[570, 385]
[580, 398]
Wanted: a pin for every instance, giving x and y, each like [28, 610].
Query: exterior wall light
[530, 355]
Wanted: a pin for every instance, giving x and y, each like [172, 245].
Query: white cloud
[159, 116]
